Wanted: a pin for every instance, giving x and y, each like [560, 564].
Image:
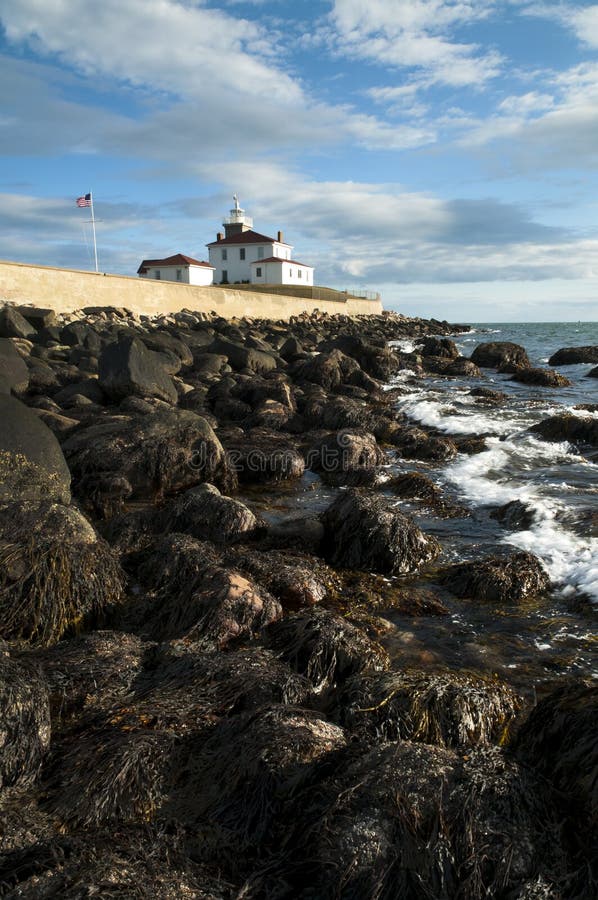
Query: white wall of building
[198, 275]
[282, 272]
[237, 259]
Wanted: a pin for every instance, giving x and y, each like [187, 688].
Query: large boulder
[566, 427]
[56, 574]
[32, 465]
[347, 457]
[242, 357]
[362, 532]
[156, 454]
[38, 317]
[14, 373]
[24, 722]
[440, 347]
[493, 354]
[569, 356]
[541, 377]
[205, 514]
[127, 368]
[264, 457]
[498, 579]
[13, 325]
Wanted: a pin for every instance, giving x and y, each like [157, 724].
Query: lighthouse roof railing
[238, 218]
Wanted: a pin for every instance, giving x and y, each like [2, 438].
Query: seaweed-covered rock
[593, 373]
[342, 456]
[488, 395]
[56, 574]
[264, 457]
[565, 427]
[157, 454]
[13, 369]
[498, 579]
[515, 515]
[295, 580]
[239, 781]
[415, 443]
[32, 465]
[493, 354]
[109, 774]
[198, 599]
[560, 740]
[412, 820]
[127, 368]
[569, 356]
[204, 513]
[435, 346]
[362, 532]
[325, 647]
[448, 709]
[541, 377]
[91, 672]
[24, 722]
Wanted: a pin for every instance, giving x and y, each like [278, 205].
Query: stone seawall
[65, 290]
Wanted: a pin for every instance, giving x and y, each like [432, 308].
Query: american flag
[84, 201]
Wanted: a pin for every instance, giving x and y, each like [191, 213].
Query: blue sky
[442, 152]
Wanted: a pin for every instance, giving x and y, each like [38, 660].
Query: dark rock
[495, 353]
[205, 514]
[162, 341]
[263, 457]
[463, 367]
[241, 357]
[448, 709]
[295, 580]
[441, 347]
[81, 334]
[25, 724]
[415, 443]
[56, 574]
[32, 465]
[593, 373]
[580, 430]
[541, 377]
[206, 365]
[157, 454]
[291, 349]
[329, 370]
[569, 356]
[42, 378]
[361, 532]
[39, 318]
[127, 368]
[60, 425]
[559, 741]
[516, 515]
[200, 600]
[342, 456]
[498, 579]
[13, 325]
[487, 395]
[324, 647]
[13, 368]
[303, 533]
[90, 389]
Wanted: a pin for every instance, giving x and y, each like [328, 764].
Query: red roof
[179, 259]
[293, 262]
[246, 237]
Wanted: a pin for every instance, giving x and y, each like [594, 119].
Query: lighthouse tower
[237, 222]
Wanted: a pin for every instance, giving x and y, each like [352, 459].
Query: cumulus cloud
[418, 34]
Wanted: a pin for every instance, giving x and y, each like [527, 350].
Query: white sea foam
[444, 417]
[487, 479]
[404, 345]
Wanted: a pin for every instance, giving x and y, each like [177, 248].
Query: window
[224, 276]
[260, 252]
[224, 254]
[242, 253]
[157, 274]
[258, 271]
[299, 275]
[179, 274]
[290, 273]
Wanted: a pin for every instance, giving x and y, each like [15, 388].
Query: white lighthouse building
[241, 254]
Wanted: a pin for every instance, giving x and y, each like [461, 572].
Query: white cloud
[415, 34]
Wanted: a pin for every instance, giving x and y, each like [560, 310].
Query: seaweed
[25, 726]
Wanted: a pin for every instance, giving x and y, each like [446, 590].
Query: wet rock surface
[202, 686]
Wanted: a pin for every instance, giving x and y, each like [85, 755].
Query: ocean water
[556, 482]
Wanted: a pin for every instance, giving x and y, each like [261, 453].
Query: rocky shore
[196, 699]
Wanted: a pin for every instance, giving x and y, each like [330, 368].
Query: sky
[441, 152]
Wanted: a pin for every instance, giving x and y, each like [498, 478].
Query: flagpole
[93, 227]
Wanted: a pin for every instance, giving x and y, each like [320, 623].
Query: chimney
[219, 236]
[280, 240]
